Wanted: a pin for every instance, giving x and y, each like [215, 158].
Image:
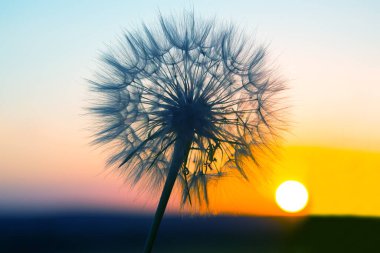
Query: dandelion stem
[181, 149]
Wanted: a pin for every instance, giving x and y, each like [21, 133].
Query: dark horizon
[122, 232]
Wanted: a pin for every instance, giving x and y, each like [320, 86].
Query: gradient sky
[327, 50]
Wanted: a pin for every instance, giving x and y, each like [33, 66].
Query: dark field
[111, 233]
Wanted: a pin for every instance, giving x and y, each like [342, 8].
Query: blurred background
[57, 196]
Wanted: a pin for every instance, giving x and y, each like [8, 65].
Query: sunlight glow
[292, 196]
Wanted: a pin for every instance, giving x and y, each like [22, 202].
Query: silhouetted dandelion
[185, 99]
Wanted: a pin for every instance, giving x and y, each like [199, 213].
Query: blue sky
[48, 48]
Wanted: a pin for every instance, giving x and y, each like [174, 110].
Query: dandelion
[185, 100]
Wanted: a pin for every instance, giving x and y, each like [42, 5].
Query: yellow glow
[291, 196]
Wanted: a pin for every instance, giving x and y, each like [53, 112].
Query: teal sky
[327, 50]
[48, 48]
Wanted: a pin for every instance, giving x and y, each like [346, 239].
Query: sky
[327, 51]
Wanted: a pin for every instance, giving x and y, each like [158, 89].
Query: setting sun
[292, 196]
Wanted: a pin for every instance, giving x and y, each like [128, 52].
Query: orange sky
[66, 173]
[340, 181]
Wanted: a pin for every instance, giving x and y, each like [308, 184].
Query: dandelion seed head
[190, 79]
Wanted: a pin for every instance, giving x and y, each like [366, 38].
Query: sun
[292, 196]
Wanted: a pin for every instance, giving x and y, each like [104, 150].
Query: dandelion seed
[184, 100]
